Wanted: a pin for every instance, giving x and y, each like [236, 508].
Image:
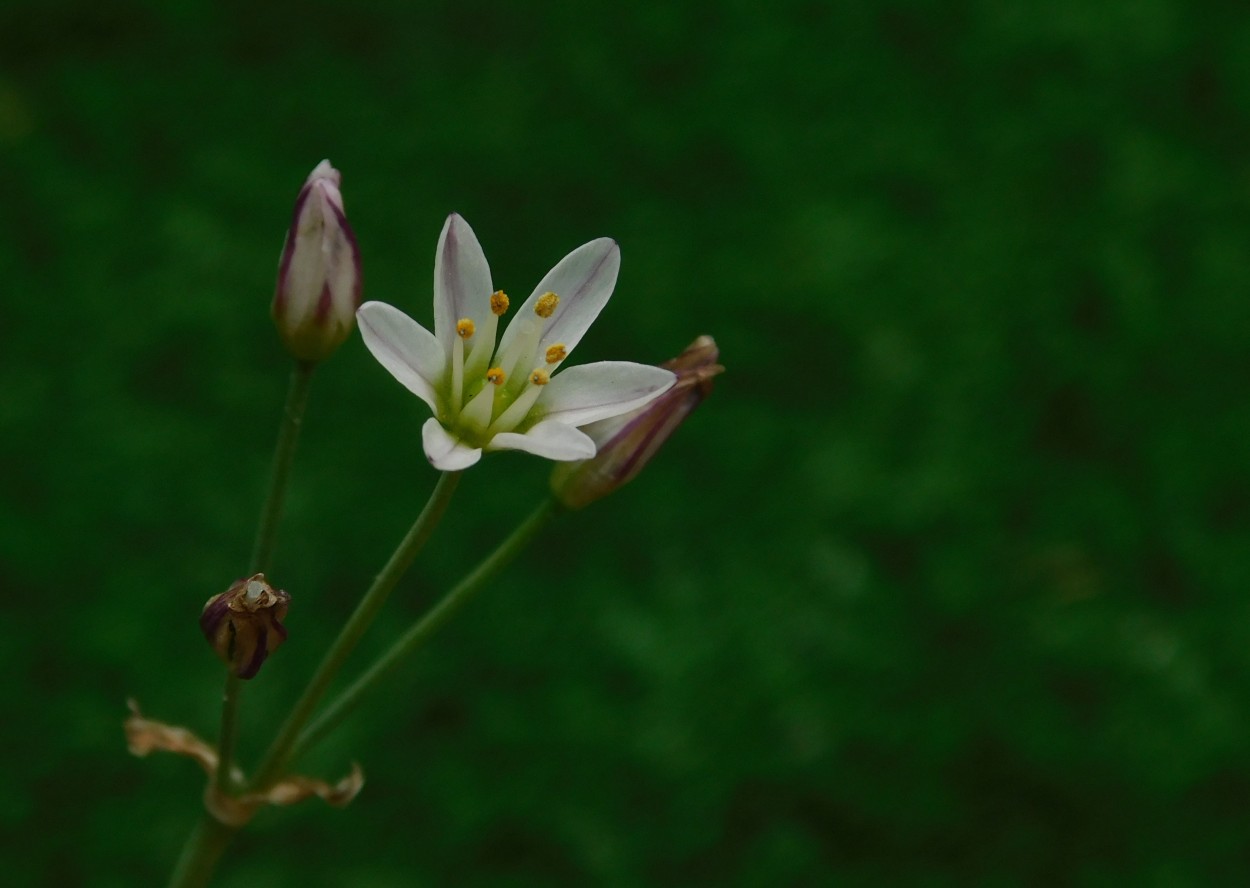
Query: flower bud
[626, 443]
[318, 291]
[244, 623]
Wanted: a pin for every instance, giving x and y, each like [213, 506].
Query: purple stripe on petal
[567, 300]
[288, 249]
[324, 303]
[259, 653]
[214, 612]
[350, 237]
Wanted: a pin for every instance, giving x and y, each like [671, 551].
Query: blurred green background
[946, 583]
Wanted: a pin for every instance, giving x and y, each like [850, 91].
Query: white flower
[510, 397]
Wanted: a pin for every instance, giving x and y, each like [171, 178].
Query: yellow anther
[546, 305]
[540, 377]
[556, 353]
[498, 302]
[495, 375]
[465, 328]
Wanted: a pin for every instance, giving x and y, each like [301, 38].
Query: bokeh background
[947, 583]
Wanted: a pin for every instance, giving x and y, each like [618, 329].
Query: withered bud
[244, 623]
[626, 443]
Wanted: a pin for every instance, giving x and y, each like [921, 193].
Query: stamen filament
[476, 414]
[457, 374]
[517, 411]
[521, 350]
[483, 348]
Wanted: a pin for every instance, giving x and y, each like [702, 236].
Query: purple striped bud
[318, 291]
[626, 443]
[244, 624]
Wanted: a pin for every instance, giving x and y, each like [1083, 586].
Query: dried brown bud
[244, 624]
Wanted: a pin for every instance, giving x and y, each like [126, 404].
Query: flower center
[492, 393]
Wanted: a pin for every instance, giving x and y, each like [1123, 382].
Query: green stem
[283, 456]
[211, 837]
[262, 550]
[280, 750]
[423, 629]
[201, 852]
[229, 731]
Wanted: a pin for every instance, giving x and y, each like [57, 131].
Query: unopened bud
[244, 624]
[319, 286]
[626, 443]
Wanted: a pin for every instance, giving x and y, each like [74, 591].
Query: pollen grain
[546, 305]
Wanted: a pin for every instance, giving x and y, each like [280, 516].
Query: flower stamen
[498, 303]
[521, 350]
[520, 408]
[556, 353]
[546, 305]
[495, 375]
[457, 370]
[465, 328]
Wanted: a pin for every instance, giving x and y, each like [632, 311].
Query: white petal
[580, 395]
[461, 280]
[405, 348]
[583, 280]
[604, 430]
[548, 439]
[446, 452]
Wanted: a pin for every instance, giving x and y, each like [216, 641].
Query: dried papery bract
[625, 444]
[145, 736]
[319, 281]
[244, 624]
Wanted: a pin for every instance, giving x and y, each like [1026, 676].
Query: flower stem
[229, 731]
[262, 549]
[280, 750]
[423, 629]
[208, 842]
[200, 854]
[283, 456]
